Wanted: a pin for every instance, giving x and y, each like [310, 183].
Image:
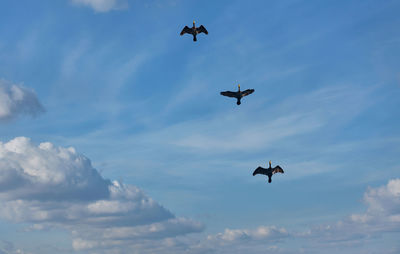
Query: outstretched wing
[277, 169]
[260, 170]
[201, 29]
[247, 92]
[229, 94]
[186, 30]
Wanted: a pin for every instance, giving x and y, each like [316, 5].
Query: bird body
[268, 171]
[194, 30]
[238, 95]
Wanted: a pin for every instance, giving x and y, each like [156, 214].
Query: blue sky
[115, 81]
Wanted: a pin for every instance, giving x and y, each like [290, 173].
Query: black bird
[194, 30]
[268, 171]
[238, 95]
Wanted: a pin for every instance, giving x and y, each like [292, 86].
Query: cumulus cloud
[102, 5]
[17, 100]
[51, 186]
[381, 216]
[56, 187]
[383, 208]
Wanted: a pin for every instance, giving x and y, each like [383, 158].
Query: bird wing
[186, 30]
[277, 169]
[202, 29]
[260, 170]
[247, 92]
[229, 94]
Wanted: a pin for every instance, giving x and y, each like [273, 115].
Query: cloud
[284, 120]
[17, 100]
[261, 233]
[7, 247]
[382, 216]
[357, 230]
[384, 200]
[102, 5]
[51, 186]
[383, 213]
[56, 187]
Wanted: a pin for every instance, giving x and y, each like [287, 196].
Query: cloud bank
[51, 186]
[382, 216]
[102, 5]
[55, 187]
[17, 100]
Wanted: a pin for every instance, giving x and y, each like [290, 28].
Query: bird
[268, 171]
[238, 95]
[194, 30]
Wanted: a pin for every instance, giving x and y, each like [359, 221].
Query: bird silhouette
[194, 30]
[268, 171]
[238, 95]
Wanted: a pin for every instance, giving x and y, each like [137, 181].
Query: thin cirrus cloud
[16, 100]
[297, 115]
[102, 5]
[56, 187]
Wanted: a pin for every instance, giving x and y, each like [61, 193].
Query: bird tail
[238, 102]
[194, 38]
[269, 179]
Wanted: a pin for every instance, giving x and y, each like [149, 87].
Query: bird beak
[193, 22]
[239, 85]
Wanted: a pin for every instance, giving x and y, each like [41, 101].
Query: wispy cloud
[102, 5]
[274, 122]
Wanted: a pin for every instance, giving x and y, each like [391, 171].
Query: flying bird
[238, 95]
[268, 171]
[194, 30]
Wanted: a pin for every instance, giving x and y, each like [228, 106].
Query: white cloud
[385, 199]
[51, 186]
[383, 211]
[382, 215]
[125, 237]
[261, 233]
[102, 5]
[295, 116]
[55, 187]
[17, 100]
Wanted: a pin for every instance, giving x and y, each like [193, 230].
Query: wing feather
[186, 30]
[229, 94]
[202, 29]
[247, 92]
[260, 170]
[277, 169]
